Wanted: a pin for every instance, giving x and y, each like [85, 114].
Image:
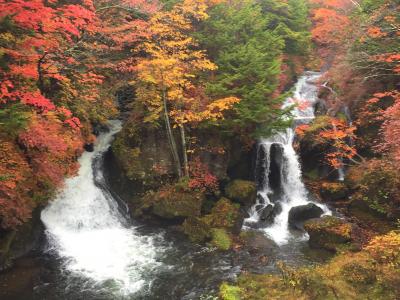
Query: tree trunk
[184, 150]
[170, 136]
[40, 73]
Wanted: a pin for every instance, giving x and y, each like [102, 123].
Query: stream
[93, 250]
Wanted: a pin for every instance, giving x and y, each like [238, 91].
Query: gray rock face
[299, 214]
[270, 212]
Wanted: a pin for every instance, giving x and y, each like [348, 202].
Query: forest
[200, 149]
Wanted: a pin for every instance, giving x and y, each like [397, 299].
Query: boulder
[196, 229]
[225, 214]
[242, 191]
[89, 147]
[267, 213]
[332, 233]
[171, 203]
[299, 214]
[221, 239]
[334, 191]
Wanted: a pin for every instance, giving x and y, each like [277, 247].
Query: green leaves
[247, 44]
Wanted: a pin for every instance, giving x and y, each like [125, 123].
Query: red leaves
[201, 178]
[15, 181]
[330, 26]
[37, 100]
[52, 148]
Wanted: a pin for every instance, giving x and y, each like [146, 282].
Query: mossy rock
[172, 203]
[229, 292]
[221, 239]
[330, 233]
[242, 191]
[333, 191]
[196, 229]
[224, 214]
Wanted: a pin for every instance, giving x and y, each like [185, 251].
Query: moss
[172, 202]
[221, 239]
[368, 274]
[241, 191]
[196, 229]
[333, 191]
[223, 214]
[229, 292]
[329, 233]
[359, 274]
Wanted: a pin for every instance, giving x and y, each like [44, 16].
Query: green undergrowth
[372, 273]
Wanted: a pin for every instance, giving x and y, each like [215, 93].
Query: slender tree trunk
[170, 136]
[40, 73]
[184, 150]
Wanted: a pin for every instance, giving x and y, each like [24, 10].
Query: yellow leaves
[7, 38]
[212, 112]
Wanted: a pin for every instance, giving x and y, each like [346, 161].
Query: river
[93, 250]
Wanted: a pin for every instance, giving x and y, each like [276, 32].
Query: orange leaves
[330, 26]
[333, 135]
[302, 129]
[375, 32]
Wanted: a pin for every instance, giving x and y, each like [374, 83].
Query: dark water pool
[186, 271]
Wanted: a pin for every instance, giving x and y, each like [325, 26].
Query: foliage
[15, 180]
[378, 183]
[333, 135]
[229, 292]
[371, 273]
[54, 61]
[220, 238]
[167, 84]
[201, 178]
[249, 57]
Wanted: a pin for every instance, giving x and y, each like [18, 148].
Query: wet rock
[17, 243]
[257, 242]
[172, 203]
[276, 163]
[333, 191]
[267, 213]
[89, 147]
[260, 198]
[270, 212]
[196, 229]
[242, 191]
[332, 233]
[299, 214]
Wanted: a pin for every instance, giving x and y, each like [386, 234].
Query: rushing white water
[86, 229]
[293, 192]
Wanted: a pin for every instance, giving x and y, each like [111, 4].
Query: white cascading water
[294, 192]
[86, 229]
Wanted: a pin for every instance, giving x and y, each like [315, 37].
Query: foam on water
[86, 229]
[294, 192]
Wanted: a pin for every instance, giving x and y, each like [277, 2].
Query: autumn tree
[334, 137]
[166, 76]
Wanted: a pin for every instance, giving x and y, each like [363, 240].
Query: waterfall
[293, 192]
[86, 230]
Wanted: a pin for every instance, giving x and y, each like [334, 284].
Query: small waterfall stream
[284, 163]
[86, 230]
